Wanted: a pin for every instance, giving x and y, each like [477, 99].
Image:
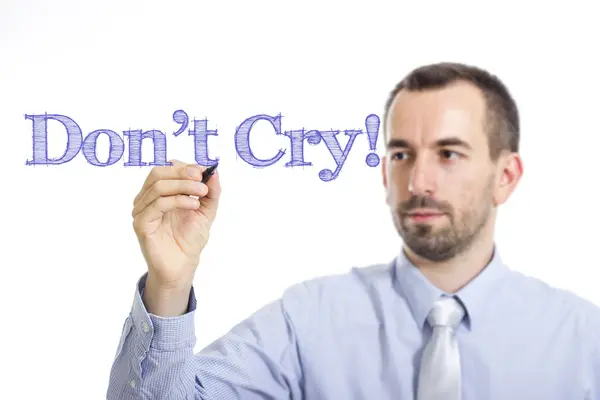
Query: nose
[421, 181]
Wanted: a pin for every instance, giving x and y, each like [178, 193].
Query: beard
[441, 244]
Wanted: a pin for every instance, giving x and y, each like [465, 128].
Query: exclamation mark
[372, 124]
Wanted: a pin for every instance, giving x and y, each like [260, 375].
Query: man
[446, 319]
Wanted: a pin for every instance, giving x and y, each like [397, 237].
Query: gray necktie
[439, 376]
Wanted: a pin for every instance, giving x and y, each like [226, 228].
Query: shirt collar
[421, 294]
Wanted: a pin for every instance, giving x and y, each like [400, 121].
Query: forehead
[425, 117]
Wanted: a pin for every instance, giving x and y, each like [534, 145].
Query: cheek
[463, 194]
[476, 194]
[394, 195]
[397, 183]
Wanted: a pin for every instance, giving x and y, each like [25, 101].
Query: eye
[449, 154]
[399, 155]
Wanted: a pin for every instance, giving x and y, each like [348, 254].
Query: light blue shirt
[360, 335]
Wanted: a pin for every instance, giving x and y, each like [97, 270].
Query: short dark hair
[502, 122]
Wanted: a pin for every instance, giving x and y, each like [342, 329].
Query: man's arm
[590, 331]
[256, 360]
[593, 392]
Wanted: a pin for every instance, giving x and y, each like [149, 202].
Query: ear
[510, 171]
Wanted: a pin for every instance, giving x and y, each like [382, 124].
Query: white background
[70, 259]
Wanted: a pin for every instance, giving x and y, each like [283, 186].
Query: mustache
[416, 202]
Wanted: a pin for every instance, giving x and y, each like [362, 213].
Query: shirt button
[145, 327]
[132, 383]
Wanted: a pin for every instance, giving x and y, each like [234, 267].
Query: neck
[453, 274]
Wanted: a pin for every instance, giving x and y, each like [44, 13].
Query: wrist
[166, 300]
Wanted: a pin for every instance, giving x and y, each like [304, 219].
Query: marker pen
[209, 172]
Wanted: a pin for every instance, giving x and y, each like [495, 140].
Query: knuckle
[159, 188]
[154, 173]
[162, 203]
[136, 224]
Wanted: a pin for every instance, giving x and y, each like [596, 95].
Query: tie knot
[446, 311]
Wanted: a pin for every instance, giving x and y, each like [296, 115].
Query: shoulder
[355, 280]
[561, 305]
[332, 295]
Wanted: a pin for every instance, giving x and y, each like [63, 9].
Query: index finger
[179, 170]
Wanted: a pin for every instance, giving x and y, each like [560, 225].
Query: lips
[424, 216]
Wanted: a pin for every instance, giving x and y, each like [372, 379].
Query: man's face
[437, 170]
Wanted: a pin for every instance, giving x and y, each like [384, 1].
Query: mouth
[424, 215]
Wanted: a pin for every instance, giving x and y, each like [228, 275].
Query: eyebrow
[451, 141]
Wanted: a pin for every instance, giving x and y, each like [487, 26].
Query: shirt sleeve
[591, 340]
[256, 360]
[593, 392]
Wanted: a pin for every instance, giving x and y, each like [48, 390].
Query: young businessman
[446, 319]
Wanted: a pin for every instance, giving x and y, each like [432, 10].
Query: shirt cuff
[163, 333]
